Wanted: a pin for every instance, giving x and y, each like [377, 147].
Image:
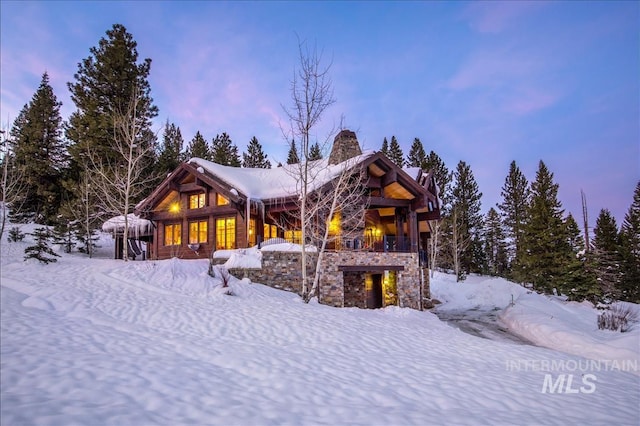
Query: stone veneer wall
[282, 270]
[332, 280]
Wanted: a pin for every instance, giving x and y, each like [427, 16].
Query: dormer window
[197, 201]
[221, 200]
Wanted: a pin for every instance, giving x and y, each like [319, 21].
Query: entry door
[373, 291]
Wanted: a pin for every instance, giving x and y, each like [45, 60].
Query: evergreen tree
[292, 156]
[40, 155]
[315, 153]
[395, 152]
[170, 150]
[417, 156]
[465, 222]
[255, 157]
[606, 255]
[544, 237]
[442, 176]
[224, 152]
[41, 250]
[579, 282]
[385, 147]
[513, 210]
[495, 244]
[105, 85]
[198, 148]
[630, 248]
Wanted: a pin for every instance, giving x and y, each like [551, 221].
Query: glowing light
[174, 207]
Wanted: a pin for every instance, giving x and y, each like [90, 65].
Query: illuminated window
[221, 200]
[293, 236]
[198, 232]
[173, 234]
[226, 233]
[252, 233]
[334, 224]
[197, 201]
[270, 231]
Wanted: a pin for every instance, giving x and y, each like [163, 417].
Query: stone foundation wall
[282, 270]
[354, 290]
[332, 285]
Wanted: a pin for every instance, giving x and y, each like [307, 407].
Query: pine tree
[495, 244]
[105, 84]
[417, 156]
[40, 155]
[513, 210]
[395, 152]
[255, 157]
[606, 255]
[465, 222]
[292, 156]
[315, 153]
[579, 282]
[224, 152]
[544, 236]
[442, 176]
[170, 150]
[385, 147]
[630, 248]
[41, 250]
[198, 148]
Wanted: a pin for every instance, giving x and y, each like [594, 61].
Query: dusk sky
[482, 82]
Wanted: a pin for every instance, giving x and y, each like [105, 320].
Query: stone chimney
[345, 146]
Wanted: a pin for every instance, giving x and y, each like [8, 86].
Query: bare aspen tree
[434, 247]
[12, 183]
[311, 95]
[585, 221]
[459, 242]
[117, 183]
[339, 213]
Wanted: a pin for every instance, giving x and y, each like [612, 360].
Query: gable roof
[278, 183]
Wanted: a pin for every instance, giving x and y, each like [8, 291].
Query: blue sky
[483, 82]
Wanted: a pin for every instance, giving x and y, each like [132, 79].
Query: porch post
[413, 231]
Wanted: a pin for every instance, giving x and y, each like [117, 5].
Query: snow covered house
[202, 207]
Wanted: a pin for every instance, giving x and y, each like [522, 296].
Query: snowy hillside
[107, 342]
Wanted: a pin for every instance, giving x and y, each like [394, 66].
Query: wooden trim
[388, 202]
[370, 268]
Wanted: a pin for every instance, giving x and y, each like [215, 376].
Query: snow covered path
[107, 342]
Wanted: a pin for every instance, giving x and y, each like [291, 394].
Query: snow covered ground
[158, 342]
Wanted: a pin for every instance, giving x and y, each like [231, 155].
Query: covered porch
[139, 234]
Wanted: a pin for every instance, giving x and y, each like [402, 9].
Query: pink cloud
[530, 100]
[495, 17]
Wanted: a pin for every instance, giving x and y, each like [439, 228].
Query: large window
[252, 233]
[226, 233]
[270, 231]
[198, 232]
[173, 234]
[221, 200]
[197, 201]
[293, 236]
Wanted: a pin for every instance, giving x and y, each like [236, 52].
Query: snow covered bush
[618, 317]
[223, 275]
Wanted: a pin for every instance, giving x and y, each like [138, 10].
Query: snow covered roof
[278, 182]
[137, 226]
